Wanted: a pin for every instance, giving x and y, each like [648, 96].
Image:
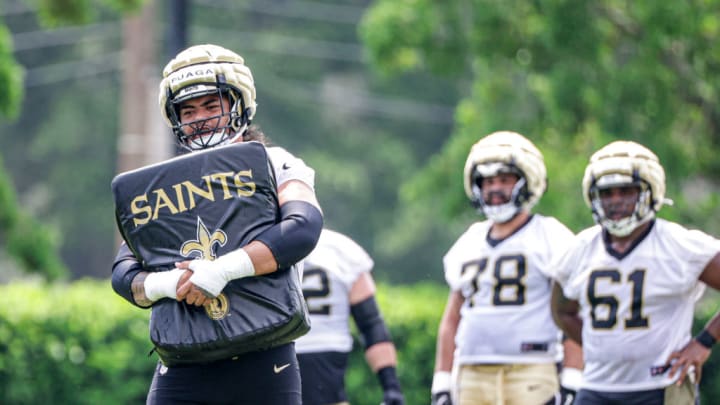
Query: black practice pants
[268, 377]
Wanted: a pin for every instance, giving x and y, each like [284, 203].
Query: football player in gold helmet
[497, 343]
[207, 96]
[627, 287]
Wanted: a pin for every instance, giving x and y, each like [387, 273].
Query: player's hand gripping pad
[202, 205]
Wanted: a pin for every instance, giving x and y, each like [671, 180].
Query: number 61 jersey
[636, 307]
[506, 318]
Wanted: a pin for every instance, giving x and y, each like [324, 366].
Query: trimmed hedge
[412, 314]
[72, 344]
[79, 343]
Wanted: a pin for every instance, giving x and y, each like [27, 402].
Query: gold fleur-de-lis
[204, 242]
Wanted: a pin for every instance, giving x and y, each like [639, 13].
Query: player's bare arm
[446, 332]
[444, 352]
[565, 312]
[138, 290]
[697, 351]
[298, 191]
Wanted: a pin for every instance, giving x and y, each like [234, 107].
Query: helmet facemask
[519, 195]
[505, 152]
[200, 71]
[641, 213]
[625, 164]
[209, 132]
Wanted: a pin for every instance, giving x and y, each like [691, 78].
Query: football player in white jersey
[497, 343]
[336, 284]
[207, 97]
[627, 287]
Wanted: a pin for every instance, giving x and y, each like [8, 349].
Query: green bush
[72, 344]
[30, 243]
[80, 343]
[413, 314]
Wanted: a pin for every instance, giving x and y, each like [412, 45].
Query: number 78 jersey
[636, 307]
[506, 316]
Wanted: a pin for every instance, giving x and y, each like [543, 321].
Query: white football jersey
[506, 316]
[331, 269]
[288, 167]
[636, 307]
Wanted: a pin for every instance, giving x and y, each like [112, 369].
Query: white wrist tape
[162, 284]
[571, 378]
[213, 276]
[442, 382]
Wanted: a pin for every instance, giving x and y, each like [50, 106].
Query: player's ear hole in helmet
[624, 164]
[505, 152]
[204, 70]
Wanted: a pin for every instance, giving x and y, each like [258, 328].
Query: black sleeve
[370, 322]
[296, 235]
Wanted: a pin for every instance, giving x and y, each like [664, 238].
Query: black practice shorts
[323, 377]
[671, 395]
[268, 377]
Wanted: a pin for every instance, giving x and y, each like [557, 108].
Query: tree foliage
[572, 76]
[11, 77]
[31, 244]
[53, 13]
[318, 101]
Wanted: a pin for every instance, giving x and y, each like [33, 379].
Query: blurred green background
[383, 98]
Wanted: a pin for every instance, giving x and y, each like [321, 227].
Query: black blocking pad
[202, 205]
[198, 205]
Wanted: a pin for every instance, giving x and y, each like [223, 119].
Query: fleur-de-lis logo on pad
[218, 308]
[204, 243]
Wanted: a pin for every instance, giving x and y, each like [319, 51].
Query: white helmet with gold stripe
[201, 70]
[625, 164]
[502, 152]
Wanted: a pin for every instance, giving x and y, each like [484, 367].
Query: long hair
[254, 133]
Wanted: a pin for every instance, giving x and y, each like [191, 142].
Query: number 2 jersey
[506, 316]
[636, 307]
[330, 271]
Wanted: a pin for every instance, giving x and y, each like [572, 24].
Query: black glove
[441, 398]
[567, 396]
[393, 397]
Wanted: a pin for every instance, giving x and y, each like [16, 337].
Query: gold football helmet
[203, 70]
[620, 164]
[502, 152]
